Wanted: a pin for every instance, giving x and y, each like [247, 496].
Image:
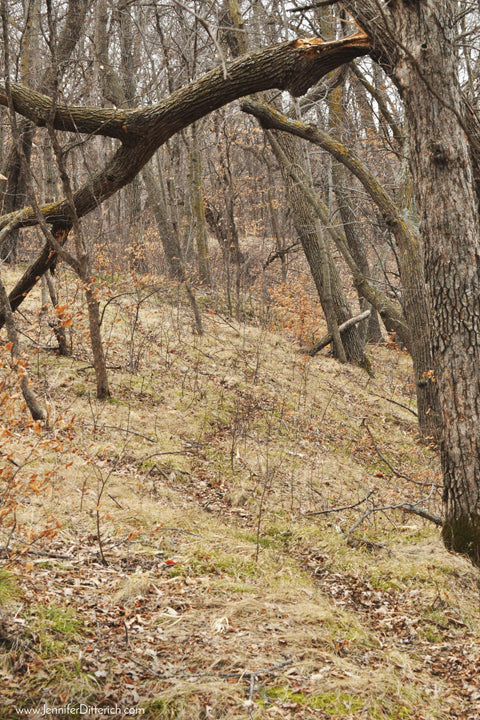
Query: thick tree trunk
[442, 170]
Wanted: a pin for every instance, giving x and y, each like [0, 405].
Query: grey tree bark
[415, 42]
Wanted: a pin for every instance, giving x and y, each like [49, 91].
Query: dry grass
[201, 473]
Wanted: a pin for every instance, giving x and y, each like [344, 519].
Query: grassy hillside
[172, 549]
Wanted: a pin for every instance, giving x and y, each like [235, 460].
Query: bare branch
[319, 4]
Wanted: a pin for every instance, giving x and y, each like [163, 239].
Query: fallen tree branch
[126, 430]
[294, 66]
[413, 508]
[406, 507]
[395, 402]
[279, 254]
[327, 339]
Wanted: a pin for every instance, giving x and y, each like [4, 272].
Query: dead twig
[40, 553]
[390, 466]
[395, 402]
[341, 509]
[115, 501]
[9, 459]
[319, 4]
[126, 430]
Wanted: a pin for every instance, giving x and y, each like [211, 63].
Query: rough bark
[443, 177]
[415, 43]
[370, 330]
[323, 269]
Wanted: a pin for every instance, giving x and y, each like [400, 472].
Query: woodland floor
[223, 594]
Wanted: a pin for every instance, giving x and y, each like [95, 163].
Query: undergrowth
[219, 539]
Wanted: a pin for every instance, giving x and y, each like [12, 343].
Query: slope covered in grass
[172, 549]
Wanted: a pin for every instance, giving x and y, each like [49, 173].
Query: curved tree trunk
[410, 252]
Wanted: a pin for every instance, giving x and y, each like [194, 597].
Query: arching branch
[294, 66]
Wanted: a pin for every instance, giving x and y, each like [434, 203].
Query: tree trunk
[103, 390]
[198, 209]
[169, 239]
[443, 177]
[168, 234]
[324, 272]
[370, 330]
[33, 405]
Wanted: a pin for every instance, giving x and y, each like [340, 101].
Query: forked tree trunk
[168, 235]
[410, 254]
[370, 330]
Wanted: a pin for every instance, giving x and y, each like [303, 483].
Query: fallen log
[327, 339]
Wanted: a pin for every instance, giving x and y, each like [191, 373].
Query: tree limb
[327, 339]
[294, 66]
